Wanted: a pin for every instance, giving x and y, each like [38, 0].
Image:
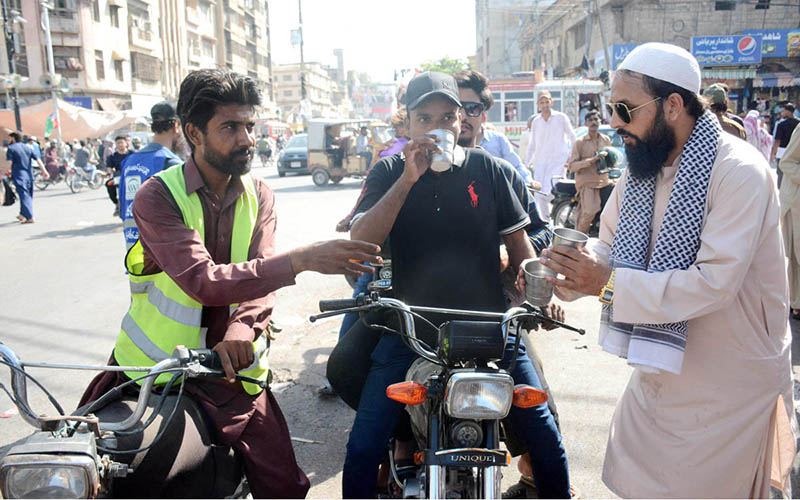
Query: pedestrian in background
[718, 102]
[548, 149]
[790, 216]
[22, 158]
[691, 272]
[584, 161]
[757, 135]
[153, 158]
[783, 133]
[114, 166]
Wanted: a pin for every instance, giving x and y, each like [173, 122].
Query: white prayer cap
[666, 62]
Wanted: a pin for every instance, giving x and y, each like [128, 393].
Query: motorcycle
[565, 202]
[78, 178]
[41, 183]
[105, 450]
[455, 395]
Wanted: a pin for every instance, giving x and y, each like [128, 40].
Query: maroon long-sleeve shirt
[203, 269]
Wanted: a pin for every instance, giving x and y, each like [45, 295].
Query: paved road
[63, 294]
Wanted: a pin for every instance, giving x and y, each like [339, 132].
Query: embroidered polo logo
[473, 197]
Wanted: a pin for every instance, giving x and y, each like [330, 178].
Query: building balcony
[64, 21]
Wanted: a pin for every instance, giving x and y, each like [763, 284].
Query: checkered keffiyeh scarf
[654, 347]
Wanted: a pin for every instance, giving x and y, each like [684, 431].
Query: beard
[465, 137]
[235, 163]
[647, 156]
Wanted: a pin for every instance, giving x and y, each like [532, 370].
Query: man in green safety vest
[204, 271]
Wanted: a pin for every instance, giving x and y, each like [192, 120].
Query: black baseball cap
[163, 112]
[427, 84]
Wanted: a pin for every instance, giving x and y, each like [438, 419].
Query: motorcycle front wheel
[562, 213]
[75, 183]
[40, 182]
[99, 180]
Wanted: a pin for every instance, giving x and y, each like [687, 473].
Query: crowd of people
[690, 267]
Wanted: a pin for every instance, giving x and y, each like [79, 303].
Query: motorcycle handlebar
[338, 304]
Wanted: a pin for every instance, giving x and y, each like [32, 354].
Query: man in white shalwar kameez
[696, 296]
[549, 146]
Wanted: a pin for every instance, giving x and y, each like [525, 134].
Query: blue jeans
[378, 415]
[351, 318]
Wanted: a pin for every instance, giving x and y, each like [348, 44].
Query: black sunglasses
[472, 109]
[623, 111]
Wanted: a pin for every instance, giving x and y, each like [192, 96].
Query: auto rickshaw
[332, 148]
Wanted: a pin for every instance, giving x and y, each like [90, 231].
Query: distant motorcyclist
[204, 271]
[264, 149]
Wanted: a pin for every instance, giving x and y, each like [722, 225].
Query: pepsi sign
[727, 50]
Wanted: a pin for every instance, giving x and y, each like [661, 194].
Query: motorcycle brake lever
[328, 314]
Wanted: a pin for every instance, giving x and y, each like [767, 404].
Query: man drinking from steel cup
[444, 229]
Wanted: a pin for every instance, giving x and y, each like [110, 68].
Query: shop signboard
[618, 52]
[778, 43]
[727, 50]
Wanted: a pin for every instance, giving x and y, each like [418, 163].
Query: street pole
[51, 66]
[10, 50]
[302, 61]
[603, 36]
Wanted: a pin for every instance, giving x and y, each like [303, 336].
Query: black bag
[7, 196]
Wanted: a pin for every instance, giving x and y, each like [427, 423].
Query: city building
[130, 54]
[569, 41]
[320, 86]
[500, 26]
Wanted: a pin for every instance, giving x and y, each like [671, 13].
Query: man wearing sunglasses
[691, 271]
[548, 148]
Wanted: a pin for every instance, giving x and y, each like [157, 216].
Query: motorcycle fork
[490, 478]
[435, 475]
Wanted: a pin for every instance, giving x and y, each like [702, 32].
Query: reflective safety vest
[161, 315]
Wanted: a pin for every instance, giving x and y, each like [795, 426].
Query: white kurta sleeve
[531, 152]
[736, 210]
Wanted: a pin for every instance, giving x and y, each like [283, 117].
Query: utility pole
[51, 65]
[603, 37]
[537, 20]
[588, 28]
[302, 60]
[9, 19]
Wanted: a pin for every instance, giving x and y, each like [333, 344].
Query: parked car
[294, 157]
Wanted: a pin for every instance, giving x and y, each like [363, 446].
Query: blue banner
[778, 43]
[84, 102]
[726, 50]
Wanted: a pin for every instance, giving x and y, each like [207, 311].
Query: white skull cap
[667, 62]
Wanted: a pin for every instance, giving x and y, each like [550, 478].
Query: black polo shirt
[445, 240]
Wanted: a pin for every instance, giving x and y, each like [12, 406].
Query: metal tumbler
[538, 291]
[569, 238]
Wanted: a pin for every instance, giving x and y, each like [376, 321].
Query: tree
[446, 65]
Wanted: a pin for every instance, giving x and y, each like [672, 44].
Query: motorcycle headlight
[478, 396]
[48, 476]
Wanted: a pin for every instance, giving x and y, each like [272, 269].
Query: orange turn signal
[419, 458]
[408, 393]
[526, 396]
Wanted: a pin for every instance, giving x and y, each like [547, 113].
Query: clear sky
[377, 36]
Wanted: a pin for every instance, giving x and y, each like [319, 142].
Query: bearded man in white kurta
[690, 266]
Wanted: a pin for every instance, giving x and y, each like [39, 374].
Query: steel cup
[441, 162]
[538, 291]
[569, 238]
